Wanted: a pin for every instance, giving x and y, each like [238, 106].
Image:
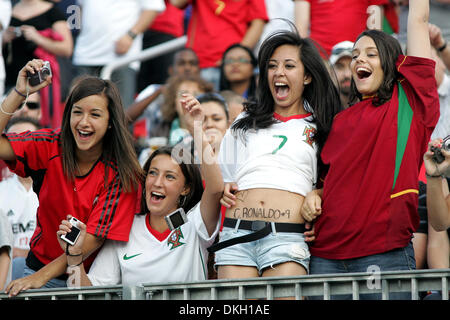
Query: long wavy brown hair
[118, 148]
[168, 109]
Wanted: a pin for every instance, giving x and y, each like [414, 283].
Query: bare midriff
[267, 205]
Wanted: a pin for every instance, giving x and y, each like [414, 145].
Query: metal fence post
[133, 293]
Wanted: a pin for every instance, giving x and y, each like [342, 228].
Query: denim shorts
[275, 248]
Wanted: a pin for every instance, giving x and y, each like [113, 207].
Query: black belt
[260, 228]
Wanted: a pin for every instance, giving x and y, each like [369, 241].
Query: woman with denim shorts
[269, 161]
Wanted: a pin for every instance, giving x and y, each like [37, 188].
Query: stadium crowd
[287, 137]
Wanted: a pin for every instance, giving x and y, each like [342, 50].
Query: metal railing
[145, 54]
[320, 286]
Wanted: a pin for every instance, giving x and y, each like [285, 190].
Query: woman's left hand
[310, 235]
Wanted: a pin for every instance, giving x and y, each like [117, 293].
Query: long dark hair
[224, 84]
[388, 50]
[118, 150]
[321, 94]
[191, 173]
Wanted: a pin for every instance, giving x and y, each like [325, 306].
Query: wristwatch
[131, 34]
[443, 47]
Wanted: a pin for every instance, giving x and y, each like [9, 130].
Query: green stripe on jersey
[387, 28]
[404, 119]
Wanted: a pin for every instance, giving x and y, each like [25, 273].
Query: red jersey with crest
[370, 193]
[105, 208]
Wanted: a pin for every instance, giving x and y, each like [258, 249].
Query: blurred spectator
[111, 29]
[216, 118]
[168, 25]
[327, 22]
[341, 56]
[5, 16]
[280, 14]
[215, 25]
[441, 55]
[173, 127]
[20, 203]
[237, 71]
[6, 243]
[31, 109]
[149, 101]
[38, 30]
[235, 103]
[439, 16]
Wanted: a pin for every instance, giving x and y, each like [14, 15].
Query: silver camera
[17, 32]
[41, 75]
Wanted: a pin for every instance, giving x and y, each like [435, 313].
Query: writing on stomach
[267, 205]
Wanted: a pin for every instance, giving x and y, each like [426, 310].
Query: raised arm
[418, 40]
[135, 110]
[14, 100]
[302, 17]
[210, 202]
[440, 44]
[124, 43]
[253, 33]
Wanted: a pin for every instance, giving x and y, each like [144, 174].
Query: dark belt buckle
[258, 225]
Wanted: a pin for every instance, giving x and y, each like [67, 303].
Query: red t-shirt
[169, 21]
[106, 210]
[370, 193]
[334, 21]
[215, 25]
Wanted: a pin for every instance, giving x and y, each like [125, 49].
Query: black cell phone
[176, 218]
[74, 233]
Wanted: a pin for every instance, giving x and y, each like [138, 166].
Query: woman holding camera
[38, 30]
[165, 245]
[87, 169]
[438, 200]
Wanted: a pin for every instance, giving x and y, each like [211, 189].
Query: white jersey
[20, 206]
[103, 22]
[283, 156]
[148, 257]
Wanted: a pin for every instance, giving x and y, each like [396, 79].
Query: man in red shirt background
[215, 25]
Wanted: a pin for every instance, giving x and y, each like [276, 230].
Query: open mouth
[85, 134]
[156, 196]
[363, 73]
[281, 90]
